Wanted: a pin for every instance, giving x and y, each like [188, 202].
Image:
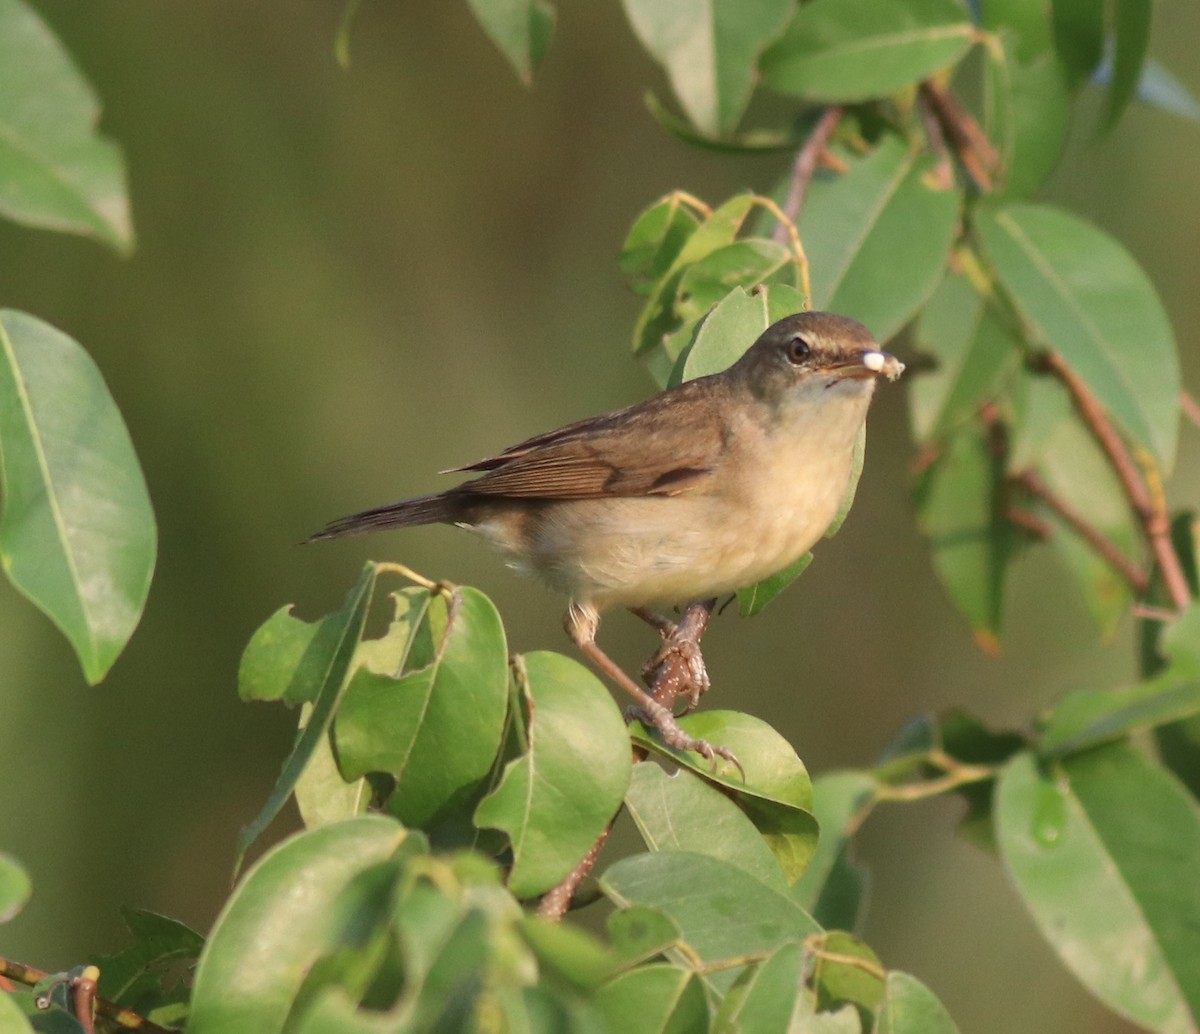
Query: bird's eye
[798, 350]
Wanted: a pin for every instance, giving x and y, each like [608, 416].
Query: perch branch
[805, 166]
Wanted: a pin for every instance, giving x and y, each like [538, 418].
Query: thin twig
[557, 900]
[118, 1014]
[937, 140]
[1149, 507]
[1103, 546]
[805, 166]
[672, 678]
[970, 143]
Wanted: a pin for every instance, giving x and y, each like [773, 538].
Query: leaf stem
[118, 1014]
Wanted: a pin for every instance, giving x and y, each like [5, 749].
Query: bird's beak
[871, 363]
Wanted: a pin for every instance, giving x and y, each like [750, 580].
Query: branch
[1103, 546]
[1149, 508]
[805, 166]
[84, 988]
[671, 672]
[1190, 407]
[970, 143]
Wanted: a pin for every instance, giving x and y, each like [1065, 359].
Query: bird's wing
[665, 446]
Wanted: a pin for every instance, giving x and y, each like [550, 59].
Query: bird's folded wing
[642, 450]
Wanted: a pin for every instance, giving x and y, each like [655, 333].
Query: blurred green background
[347, 280]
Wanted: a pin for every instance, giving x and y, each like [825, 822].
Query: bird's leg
[677, 667]
[581, 623]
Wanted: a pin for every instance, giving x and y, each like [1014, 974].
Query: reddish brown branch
[969, 142]
[1149, 508]
[1190, 407]
[673, 676]
[805, 167]
[84, 989]
[1103, 546]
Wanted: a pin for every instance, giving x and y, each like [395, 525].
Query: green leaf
[1079, 36]
[556, 799]
[833, 887]
[709, 49]
[438, 726]
[728, 331]
[958, 499]
[77, 535]
[289, 910]
[770, 996]
[658, 318]
[877, 237]
[753, 141]
[1087, 718]
[655, 240]
[841, 982]
[55, 172]
[521, 29]
[1116, 829]
[753, 598]
[1131, 41]
[15, 887]
[329, 663]
[909, 1007]
[973, 355]
[1027, 108]
[743, 263]
[1083, 295]
[777, 793]
[681, 812]
[137, 976]
[12, 1019]
[653, 998]
[722, 911]
[569, 953]
[322, 794]
[841, 51]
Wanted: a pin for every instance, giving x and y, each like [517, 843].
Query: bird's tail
[427, 509]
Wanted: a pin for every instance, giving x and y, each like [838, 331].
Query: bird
[705, 488]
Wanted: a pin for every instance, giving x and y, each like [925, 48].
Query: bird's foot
[673, 736]
[677, 669]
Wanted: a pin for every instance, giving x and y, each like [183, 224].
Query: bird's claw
[674, 736]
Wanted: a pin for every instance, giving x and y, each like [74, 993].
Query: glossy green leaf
[1027, 105]
[732, 327]
[654, 241]
[877, 237]
[722, 911]
[656, 998]
[521, 29]
[973, 355]
[12, 1019]
[753, 598]
[1083, 295]
[958, 510]
[77, 535]
[1079, 36]
[658, 318]
[841, 982]
[777, 793]
[709, 49]
[289, 910]
[855, 50]
[1126, 834]
[15, 887]
[55, 171]
[770, 996]
[327, 662]
[681, 812]
[322, 794]
[556, 799]
[1086, 718]
[909, 1007]
[1131, 41]
[438, 726]
[833, 887]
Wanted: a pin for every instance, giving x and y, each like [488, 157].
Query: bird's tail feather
[427, 509]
